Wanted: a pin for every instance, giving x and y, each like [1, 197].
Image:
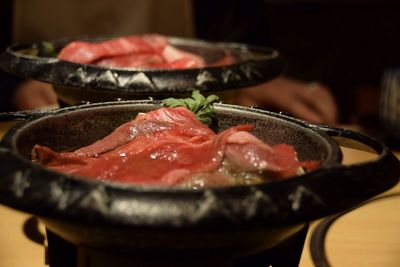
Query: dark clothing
[6, 12]
[343, 44]
[7, 81]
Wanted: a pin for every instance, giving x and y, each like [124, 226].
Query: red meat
[132, 61]
[86, 52]
[169, 146]
[145, 51]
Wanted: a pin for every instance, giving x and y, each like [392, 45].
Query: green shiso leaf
[201, 106]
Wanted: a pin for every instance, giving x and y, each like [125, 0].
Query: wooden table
[368, 236]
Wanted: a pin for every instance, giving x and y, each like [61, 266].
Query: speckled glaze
[241, 219]
[85, 82]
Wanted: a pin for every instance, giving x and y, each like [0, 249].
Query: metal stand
[63, 254]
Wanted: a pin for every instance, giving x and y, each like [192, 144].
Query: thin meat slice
[179, 122]
[184, 63]
[135, 51]
[152, 157]
[181, 59]
[169, 147]
[247, 152]
[132, 61]
[169, 58]
[166, 162]
[87, 52]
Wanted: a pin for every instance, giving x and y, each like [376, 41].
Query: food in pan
[147, 51]
[171, 146]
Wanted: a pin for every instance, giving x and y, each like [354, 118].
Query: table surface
[367, 236]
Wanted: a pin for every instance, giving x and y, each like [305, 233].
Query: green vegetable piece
[202, 107]
[48, 49]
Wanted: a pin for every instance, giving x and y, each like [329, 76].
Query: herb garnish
[202, 107]
[47, 49]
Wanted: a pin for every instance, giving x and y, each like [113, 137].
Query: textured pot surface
[80, 209]
[252, 65]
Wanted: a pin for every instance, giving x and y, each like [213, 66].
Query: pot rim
[259, 64]
[334, 155]
[292, 201]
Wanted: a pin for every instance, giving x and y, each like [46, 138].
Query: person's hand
[312, 102]
[33, 94]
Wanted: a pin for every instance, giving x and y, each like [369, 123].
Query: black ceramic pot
[228, 221]
[86, 82]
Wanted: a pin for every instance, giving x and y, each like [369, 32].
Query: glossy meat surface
[170, 147]
[135, 51]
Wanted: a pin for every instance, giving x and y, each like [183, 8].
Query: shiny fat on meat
[136, 51]
[88, 52]
[169, 147]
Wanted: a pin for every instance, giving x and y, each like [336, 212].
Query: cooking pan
[87, 82]
[229, 221]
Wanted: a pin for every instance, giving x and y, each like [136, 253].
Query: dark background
[343, 44]
[7, 82]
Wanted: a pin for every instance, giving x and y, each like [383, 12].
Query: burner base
[64, 254]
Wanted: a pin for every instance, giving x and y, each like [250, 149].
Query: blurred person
[45, 20]
[310, 101]
[343, 45]
[38, 20]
